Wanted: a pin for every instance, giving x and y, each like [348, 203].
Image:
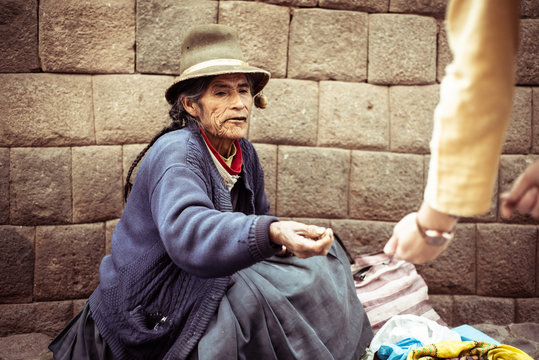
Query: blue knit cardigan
[175, 247]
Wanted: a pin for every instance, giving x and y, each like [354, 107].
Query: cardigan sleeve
[475, 105]
[200, 239]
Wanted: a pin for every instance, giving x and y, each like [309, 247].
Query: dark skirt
[281, 308]
[289, 308]
[81, 340]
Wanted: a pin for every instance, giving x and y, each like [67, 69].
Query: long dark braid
[179, 116]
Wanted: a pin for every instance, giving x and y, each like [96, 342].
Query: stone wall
[344, 141]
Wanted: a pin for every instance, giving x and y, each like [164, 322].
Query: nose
[236, 100]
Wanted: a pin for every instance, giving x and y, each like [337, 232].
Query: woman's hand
[406, 242]
[524, 195]
[300, 239]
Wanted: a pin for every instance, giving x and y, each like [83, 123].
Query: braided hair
[179, 119]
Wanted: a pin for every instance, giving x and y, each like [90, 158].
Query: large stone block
[518, 139]
[529, 8]
[444, 52]
[527, 71]
[385, 186]
[443, 305]
[17, 263]
[67, 260]
[291, 116]
[96, 36]
[511, 166]
[97, 183]
[506, 261]
[362, 5]
[527, 310]
[161, 27]
[46, 110]
[18, 32]
[535, 117]
[4, 185]
[31, 346]
[130, 108]
[268, 158]
[402, 49]
[454, 270]
[40, 190]
[434, 7]
[353, 115]
[411, 117]
[469, 309]
[312, 182]
[363, 237]
[328, 45]
[262, 30]
[130, 153]
[44, 317]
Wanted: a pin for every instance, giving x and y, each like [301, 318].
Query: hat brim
[260, 77]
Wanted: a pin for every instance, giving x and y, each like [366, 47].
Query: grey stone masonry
[169, 19]
[535, 119]
[97, 183]
[518, 138]
[291, 116]
[385, 186]
[268, 158]
[527, 65]
[88, 36]
[17, 254]
[4, 185]
[48, 199]
[402, 49]
[361, 5]
[353, 115]
[18, 31]
[411, 117]
[46, 110]
[129, 108]
[262, 30]
[315, 34]
[514, 274]
[319, 188]
[67, 260]
[48, 317]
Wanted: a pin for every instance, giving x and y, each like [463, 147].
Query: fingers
[391, 245]
[305, 247]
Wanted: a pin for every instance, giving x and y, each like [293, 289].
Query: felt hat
[213, 49]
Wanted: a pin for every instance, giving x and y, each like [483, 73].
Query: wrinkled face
[224, 107]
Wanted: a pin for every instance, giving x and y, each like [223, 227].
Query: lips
[239, 118]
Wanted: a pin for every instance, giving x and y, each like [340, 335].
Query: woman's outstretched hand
[524, 195]
[300, 239]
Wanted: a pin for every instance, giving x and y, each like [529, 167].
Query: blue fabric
[398, 351]
[175, 247]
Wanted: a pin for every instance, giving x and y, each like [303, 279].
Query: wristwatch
[434, 237]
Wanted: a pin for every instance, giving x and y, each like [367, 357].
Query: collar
[235, 167]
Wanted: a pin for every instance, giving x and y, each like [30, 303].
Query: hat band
[214, 62]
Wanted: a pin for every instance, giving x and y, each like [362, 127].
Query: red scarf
[235, 167]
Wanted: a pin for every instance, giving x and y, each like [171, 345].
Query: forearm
[475, 106]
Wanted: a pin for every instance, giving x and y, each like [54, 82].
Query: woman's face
[224, 107]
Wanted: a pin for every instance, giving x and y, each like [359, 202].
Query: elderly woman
[193, 272]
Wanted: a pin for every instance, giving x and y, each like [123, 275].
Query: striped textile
[388, 287]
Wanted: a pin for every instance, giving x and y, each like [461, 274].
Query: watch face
[436, 240]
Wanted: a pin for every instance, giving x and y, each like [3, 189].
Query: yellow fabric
[475, 105]
[453, 349]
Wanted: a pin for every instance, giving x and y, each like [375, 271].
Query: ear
[190, 106]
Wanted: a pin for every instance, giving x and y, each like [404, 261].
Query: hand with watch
[421, 236]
